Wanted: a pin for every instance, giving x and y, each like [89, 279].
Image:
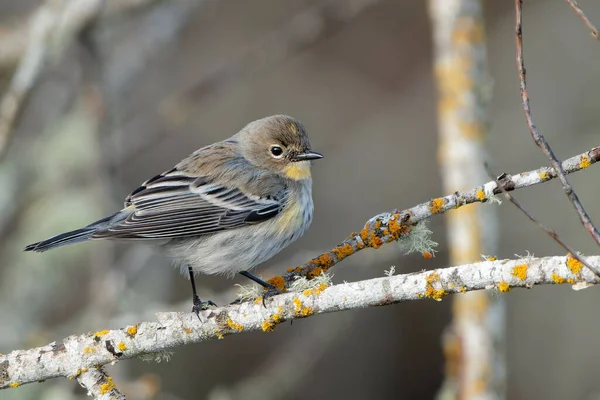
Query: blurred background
[149, 82]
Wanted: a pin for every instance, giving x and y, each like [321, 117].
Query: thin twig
[549, 231]
[539, 139]
[99, 385]
[73, 354]
[579, 12]
[388, 227]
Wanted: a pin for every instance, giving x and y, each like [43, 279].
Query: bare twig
[99, 384]
[154, 339]
[550, 232]
[539, 139]
[579, 12]
[390, 226]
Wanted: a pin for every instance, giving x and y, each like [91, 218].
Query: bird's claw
[200, 305]
[270, 292]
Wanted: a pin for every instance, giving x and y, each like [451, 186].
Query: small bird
[224, 209]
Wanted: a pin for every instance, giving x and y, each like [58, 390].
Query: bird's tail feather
[76, 236]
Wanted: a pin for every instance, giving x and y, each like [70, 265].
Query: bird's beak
[307, 155]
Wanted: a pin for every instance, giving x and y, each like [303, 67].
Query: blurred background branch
[474, 341]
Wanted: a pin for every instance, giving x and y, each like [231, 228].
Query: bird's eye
[277, 151]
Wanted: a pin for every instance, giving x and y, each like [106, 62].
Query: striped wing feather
[174, 204]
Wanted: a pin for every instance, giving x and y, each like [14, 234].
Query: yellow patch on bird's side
[298, 170]
[290, 217]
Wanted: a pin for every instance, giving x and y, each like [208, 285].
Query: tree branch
[99, 384]
[390, 226]
[579, 12]
[74, 354]
[539, 139]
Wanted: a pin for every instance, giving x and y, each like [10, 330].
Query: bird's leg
[270, 289]
[199, 305]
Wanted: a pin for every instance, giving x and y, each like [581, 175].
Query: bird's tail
[76, 236]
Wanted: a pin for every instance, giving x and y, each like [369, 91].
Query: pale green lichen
[418, 240]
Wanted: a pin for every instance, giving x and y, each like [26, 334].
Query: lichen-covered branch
[98, 384]
[78, 354]
[390, 226]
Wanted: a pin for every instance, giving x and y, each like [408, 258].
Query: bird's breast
[297, 213]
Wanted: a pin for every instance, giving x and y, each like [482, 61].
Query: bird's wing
[175, 204]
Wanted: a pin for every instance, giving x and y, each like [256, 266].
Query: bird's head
[280, 144]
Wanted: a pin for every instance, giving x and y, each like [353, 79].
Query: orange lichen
[258, 300]
[480, 195]
[503, 287]
[342, 252]
[108, 386]
[492, 258]
[376, 242]
[325, 261]
[121, 346]
[235, 325]
[300, 309]
[364, 234]
[314, 273]
[369, 236]
[433, 277]
[101, 333]
[452, 82]
[316, 290]
[571, 281]
[463, 289]
[471, 130]
[520, 271]
[187, 330]
[584, 162]
[468, 32]
[430, 291]
[278, 282]
[436, 294]
[396, 228]
[544, 175]
[427, 255]
[89, 350]
[277, 316]
[267, 326]
[436, 205]
[132, 330]
[14, 384]
[557, 278]
[573, 264]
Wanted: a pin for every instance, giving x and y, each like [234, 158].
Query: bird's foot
[200, 305]
[270, 291]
